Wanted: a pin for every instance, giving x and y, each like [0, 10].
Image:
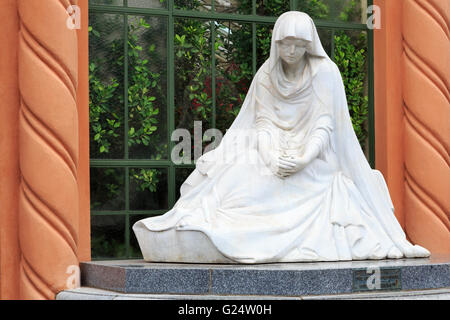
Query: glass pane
[341, 10]
[317, 9]
[108, 236]
[107, 189]
[325, 36]
[147, 87]
[148, 189]
[193, 99]
[199, 5]
[271, 7]
[234, 6]
[107, 2]
[148, 3]
[233, 70]
[181, 175]
[106, 103]
[351, 56]
[263, 41]
[135, 251]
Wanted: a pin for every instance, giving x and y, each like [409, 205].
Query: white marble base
[175, 246]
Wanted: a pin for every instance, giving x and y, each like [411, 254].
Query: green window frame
[127, 164]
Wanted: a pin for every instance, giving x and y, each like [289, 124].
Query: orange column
[44, 138]
[48, 147]
[426, 104]
[412, 116]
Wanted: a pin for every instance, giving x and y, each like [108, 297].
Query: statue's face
[292, 50]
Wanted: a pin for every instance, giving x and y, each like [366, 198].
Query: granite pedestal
[282, 280]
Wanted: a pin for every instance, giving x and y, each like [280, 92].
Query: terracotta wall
[412, 115]
[44, 162]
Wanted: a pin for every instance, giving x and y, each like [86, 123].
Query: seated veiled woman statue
[298, 189]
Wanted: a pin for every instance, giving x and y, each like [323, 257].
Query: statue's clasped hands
[285, 165]
[288, 165]
[282, 164]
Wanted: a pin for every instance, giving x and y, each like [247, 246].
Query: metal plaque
[377, 279]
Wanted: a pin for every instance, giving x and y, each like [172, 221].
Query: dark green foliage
[106, 93]
[316, 9]
[352, 12]
[105, 88]
[192, 71]
[144, 86]
[351, 58]
[352, 64]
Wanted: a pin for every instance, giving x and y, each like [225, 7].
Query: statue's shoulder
[263, 74]
[325, 81]
[326, 74]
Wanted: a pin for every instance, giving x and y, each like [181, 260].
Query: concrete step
[86, 293]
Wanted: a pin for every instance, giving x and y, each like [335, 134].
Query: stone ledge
[283, 280]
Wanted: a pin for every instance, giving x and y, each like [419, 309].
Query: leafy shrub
[351, 60]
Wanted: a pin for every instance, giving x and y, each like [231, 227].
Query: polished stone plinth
[283, 280]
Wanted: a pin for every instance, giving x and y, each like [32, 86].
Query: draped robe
[233, 209]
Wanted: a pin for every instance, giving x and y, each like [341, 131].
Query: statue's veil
[329, 87]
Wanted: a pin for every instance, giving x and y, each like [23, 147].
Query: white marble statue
[300, 189]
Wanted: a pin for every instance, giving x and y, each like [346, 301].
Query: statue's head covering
[297, 25]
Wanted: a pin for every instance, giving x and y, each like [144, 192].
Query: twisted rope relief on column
[48, 146]
[426, 76]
